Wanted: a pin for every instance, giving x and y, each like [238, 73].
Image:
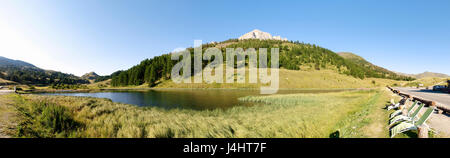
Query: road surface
[440, 123]
[443, 98]
[6, 91]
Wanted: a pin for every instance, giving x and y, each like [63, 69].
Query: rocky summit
[258, 34]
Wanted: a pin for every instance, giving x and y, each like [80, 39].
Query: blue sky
[79, 36]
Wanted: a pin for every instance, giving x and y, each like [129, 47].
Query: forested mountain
[293, 56]
[26, 73]
[373, 70]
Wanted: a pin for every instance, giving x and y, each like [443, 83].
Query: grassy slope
[364, 63]
[299, 79]
[3, 81]
[101, 84]
[427, 82]
[427, 75]
[354, 114]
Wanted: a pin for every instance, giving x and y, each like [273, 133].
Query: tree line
[36, 76]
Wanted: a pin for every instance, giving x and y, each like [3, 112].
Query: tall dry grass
[277, 116]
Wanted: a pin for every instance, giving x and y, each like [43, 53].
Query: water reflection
[186, 98]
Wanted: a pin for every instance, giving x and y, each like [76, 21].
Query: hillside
[90, 76]
[426, 82]
[427, 75]
[26, 73]
[293, 56]
[6, 82]
[295, 79]
[5, 62]
[374, 70]
[361, 61]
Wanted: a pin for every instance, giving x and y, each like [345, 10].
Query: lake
[199, 99]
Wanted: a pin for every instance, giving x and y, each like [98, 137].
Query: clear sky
[79, 36]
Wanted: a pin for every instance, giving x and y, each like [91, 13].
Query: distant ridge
[4, 62]
[25, 73]
[361, 61]
[427, 74]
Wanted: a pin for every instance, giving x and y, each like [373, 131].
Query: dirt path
[7, 116]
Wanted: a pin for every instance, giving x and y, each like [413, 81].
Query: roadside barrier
[441, 108]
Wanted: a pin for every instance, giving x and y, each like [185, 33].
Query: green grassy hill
[293, 56]
[373, 70]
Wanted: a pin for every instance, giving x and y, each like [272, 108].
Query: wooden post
[433, 104]
[423, 131]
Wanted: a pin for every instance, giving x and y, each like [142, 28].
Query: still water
[198, 99]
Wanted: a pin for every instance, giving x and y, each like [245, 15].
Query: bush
[31, 87]
[68, 86]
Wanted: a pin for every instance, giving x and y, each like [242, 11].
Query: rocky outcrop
[258, 34]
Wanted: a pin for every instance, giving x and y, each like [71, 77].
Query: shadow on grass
[388, 103]
[334, 134]
[408, 134]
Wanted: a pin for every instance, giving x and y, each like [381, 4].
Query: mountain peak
[258, 34]
[90, 76]
[256, 30]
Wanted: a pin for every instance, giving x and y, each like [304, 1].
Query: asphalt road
[440, 123]
[443, 98]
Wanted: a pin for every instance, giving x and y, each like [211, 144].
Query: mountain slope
[90, 76]
[431, 74]
[5, 62]
[374, 70]
[293, 56]
[26, 73]
[6, 82]
[427, 75]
